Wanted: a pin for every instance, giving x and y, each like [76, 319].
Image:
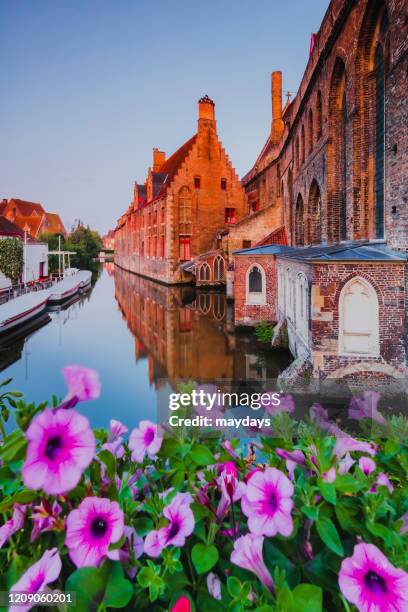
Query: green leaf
[145, 576]
[328, 491]
[204, 557]
[22, 497]
[233, 586]
[346, 483]
[143, 525]
[274, 558]
[13, 447]
[308, 598]
[106, 585]
[110, 462]
[201, 455]
[118, 590]
[312, 512]
[329, 534]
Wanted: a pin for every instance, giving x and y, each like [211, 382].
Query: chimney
[276, 90]
[206, 108]
[159, 157]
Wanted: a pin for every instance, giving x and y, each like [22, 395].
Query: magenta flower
[83, 385]
[345, 444]
[214, 586]
[366, 407]
[60, 446]
[181, 524]
[115, 439]
[37, 577]
[330, 475]
[12, 525]
[366, 465]
[145, 440]
[45, 518]
[372, 583]
[91, 529]
[231, 489]
[292, 459]
[247, 554]
[267, 502]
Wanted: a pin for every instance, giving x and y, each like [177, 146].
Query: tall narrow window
[297, 152]
[311, 133]
[303, 144]
[319, 113]
[219, 268]
[197, 182]
[358, 318]
[204, 274]
[185, 248]
[230, 215]
[343, 195]
[223, 184]
[299, 222]
[379, 142]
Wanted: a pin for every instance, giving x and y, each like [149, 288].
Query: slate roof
[347, 251]
[270, 249]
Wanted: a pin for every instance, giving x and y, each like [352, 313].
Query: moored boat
[64, 289]
[16, 312]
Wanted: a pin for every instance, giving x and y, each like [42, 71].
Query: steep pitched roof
[54, 224]
[30, 224]
[278, 236]
[27, 208]
[7, 228]
[173, 163]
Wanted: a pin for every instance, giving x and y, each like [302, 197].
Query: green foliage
[264, 331]
[11, 258]
[83, 241]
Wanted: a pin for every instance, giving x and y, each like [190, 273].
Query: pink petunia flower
[369, 581]
[231, 489]
[267, 502]
[145, 440]
[115, 439]
[330, 475]
[247, 554]
[181, 525]
[83, 385]
[45, 517]
[345, 444]
[287, 404]
[12, 525]
[214, 586]
[366, 407]
[366, 465]
[60, 446]
[292, 459]
[37, 577]
[91, 529]
[383, 481]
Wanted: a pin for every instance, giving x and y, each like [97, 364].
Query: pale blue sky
[89, 87]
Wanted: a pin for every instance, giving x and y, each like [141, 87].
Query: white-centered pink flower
[37, 577]
[180, 526]
[366, 407]
[247, 554]
[61, 445]
[91, 529]
[83, 385]
[268, 503]
[145, 440]
[366, 465]
[368, 580]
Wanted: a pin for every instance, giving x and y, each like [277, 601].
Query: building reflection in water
[188, 335]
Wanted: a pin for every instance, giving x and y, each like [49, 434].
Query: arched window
[358, 319]
[319, 113]
[204, 273]
[303, 144]
[297, 160]
[219, 306]
[299, 222]
[204, 303]
[256, 285]
[311, 133]
[379, 141]
[314, 212]
[219, 268]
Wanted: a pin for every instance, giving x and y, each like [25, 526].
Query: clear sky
[89, 87]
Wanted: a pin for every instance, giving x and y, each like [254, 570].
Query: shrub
[264, 332]
[11, 258]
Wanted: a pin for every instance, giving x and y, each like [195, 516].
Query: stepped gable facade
[183, 208]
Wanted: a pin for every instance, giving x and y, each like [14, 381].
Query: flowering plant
[309, 518]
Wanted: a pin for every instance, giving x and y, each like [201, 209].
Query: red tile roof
[27, 208]
[7, 228]
[278, 236]
[30, 224]
[54, 224]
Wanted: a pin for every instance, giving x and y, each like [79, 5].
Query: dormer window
[224, 184]
[197, 182]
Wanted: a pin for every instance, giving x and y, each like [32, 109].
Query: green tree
[11, 258]
[82, 240]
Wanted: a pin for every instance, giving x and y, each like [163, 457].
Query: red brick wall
[248, 314]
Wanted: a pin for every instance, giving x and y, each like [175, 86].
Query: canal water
[144, 339]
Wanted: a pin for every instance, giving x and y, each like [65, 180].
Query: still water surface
[143, 338]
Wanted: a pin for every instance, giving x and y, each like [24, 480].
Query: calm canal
[143, 338]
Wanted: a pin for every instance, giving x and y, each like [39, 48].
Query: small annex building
[343, 304]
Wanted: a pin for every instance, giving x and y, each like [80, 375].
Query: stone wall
[250, 314]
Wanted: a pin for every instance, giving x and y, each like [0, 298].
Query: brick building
[334, 174]
[182, 209]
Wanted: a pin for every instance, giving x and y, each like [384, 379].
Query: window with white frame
[302, 303]
[358, 319]
[256, 285]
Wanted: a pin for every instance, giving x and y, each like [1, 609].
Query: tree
[84, 242]
[11, 258]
